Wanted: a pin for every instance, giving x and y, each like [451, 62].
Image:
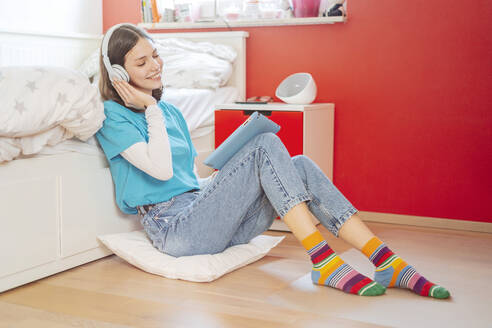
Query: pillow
[196, 65]
[194, 70]
[45, 105]
[221, 51]
[90, 66]
[136, 248]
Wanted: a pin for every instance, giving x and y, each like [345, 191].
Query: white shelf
[276, 106]
[220, 23]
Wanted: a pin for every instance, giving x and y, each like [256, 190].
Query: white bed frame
[54, 207]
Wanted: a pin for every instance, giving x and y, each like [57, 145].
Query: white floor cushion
[136, 248]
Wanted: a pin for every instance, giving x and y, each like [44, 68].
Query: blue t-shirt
[123, 128]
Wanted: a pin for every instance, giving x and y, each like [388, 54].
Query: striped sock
[330, 270]
[392, 271]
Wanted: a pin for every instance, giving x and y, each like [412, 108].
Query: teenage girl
[151, 157]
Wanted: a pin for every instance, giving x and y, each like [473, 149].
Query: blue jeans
[259, 183]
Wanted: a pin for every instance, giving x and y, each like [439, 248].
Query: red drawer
[291, 134]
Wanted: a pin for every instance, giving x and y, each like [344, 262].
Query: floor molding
[423, 221]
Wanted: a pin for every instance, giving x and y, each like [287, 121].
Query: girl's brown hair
[122, 41]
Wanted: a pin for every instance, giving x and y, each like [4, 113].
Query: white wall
[58, 16]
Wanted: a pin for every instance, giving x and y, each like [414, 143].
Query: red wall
[411, 85]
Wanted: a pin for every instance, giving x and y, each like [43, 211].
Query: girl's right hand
[132, 97]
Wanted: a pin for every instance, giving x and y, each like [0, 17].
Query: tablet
[253, 126]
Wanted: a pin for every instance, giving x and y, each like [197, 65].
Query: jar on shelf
[230, 9]
[205, 9]
[271, 9]
[306, 8]
[183, 12]
[251, 9]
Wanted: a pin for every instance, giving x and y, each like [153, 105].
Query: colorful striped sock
[330, 270]
[392, 271]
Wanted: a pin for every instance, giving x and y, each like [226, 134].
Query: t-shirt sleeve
[117, 134]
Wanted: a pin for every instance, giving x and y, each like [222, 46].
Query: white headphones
[114, 71]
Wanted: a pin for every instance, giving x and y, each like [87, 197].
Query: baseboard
[420, 221]
[429, 222]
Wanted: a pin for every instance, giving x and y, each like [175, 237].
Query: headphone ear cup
[120, 72]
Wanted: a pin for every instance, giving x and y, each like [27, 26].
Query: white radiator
[30, 48]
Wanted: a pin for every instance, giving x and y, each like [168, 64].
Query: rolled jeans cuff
[291, 203]
[339, 223]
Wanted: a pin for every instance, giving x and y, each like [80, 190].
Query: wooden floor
[275, 291]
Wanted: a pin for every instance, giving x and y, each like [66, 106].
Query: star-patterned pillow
[46, 105]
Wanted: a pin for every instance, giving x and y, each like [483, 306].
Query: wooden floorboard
[275, 291]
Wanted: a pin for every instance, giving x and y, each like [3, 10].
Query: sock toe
[373, 289]
[440, 292]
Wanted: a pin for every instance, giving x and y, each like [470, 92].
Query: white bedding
[43, 106]
[198, 105]
[90, 147]
[195, 65]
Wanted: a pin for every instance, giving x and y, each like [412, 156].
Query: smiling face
[144, 65]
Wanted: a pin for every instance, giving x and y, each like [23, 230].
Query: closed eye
[155, 55]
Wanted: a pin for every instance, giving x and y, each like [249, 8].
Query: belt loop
[144, 209]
